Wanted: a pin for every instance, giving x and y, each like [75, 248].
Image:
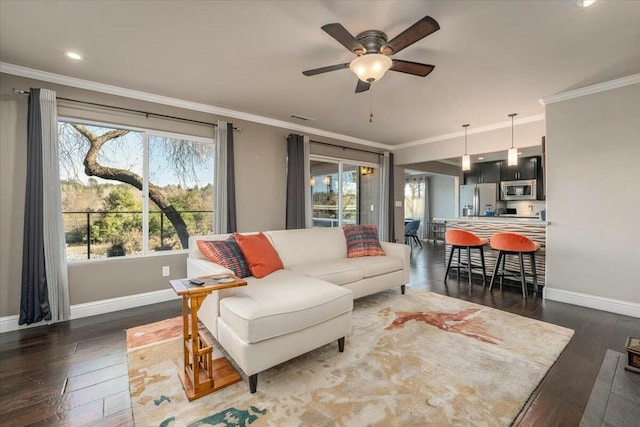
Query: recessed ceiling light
[519, 153]
[480, 158]
[73, 55]
[585, 3]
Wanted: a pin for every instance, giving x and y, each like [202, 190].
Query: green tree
[121, 216]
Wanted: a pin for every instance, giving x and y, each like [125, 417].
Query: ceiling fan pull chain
[371, 106]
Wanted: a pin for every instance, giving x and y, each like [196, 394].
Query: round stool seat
[513, 242]
[459, 239]
[463, 238]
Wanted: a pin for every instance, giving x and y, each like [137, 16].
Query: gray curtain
[426, 213]
[296, 185]
[34, 300]
[391, 221]
[232, 225]
[44, 287]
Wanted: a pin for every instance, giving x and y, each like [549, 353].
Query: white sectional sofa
[299, 308]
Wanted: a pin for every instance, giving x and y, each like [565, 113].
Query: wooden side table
[201, 374]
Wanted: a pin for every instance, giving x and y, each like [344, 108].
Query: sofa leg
[402, 289]
[341, 344]
[253, 383]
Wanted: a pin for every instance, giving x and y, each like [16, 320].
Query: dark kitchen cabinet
[491, 172]
[527, 168]
[482, 173]
[474, 175]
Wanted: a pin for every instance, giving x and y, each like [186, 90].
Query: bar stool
[514, 244]
[459, 239]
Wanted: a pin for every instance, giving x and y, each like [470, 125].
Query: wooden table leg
[201, 374]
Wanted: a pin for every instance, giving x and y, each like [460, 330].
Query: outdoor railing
[82, 245]
[78, 233]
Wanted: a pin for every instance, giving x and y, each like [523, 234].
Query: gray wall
[593, 194]
[442, 194]
[260, 186]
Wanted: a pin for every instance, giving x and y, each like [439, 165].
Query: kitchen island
[485, 227]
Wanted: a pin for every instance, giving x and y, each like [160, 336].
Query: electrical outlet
[166, 271]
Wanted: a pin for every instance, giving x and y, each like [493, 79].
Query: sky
[126, 152]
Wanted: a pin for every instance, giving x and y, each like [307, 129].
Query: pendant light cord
[512, 115]
[465, 126]
[465, 140]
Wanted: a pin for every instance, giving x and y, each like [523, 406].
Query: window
[344, 193]
[414, 192]
[133, 192]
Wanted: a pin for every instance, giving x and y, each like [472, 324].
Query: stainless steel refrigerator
[475, 199]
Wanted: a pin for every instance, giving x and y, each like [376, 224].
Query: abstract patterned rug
[416, 359]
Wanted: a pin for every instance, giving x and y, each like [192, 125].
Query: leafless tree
[185, 156]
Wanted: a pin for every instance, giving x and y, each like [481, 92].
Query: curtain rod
[345, 148]
[130, 110]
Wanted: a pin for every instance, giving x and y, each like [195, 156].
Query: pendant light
[466, 159]
[512, 154]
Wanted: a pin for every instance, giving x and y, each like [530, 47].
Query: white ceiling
[492, 57]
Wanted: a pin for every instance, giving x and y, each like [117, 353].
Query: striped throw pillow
[362, 240]
[225, 253]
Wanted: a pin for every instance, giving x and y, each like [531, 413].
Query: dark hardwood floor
[75, 373]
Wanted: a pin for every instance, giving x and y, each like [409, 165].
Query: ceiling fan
[373, 52]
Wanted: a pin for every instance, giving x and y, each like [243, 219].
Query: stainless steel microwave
[518, 190]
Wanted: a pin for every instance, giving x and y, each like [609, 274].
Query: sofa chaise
[303, 306]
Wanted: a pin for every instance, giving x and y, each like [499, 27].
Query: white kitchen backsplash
[527, 207]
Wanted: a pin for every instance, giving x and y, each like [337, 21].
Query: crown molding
[457, 134]
[46, 76]
[590, 90]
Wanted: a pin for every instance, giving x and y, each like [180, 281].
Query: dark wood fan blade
[417, 31]
[325, 69]
[362, 86]
[344, 37]
[414, 68]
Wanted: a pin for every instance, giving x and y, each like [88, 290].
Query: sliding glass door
[324, 194]
[343, 192]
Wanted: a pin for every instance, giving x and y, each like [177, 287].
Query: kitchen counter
[496, 219]
[486, 226]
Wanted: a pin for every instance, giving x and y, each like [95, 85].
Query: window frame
[145, 186]
[357, 163]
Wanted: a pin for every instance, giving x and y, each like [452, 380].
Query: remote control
[196, 282]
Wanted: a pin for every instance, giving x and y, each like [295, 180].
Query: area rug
[417, 359]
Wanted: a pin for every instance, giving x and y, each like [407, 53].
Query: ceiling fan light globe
[371, 66]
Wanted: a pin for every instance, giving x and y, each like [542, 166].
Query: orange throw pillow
[259, 253]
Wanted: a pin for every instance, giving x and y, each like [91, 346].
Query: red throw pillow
[225, 253]
[362, 240]
[259, 253]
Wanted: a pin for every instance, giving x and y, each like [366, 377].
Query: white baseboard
[10, 323]
[593, 301]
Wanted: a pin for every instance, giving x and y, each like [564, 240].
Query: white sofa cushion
[281, 303]
[197, 267]
[374, 265]
[309, 245]
[334, 271]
